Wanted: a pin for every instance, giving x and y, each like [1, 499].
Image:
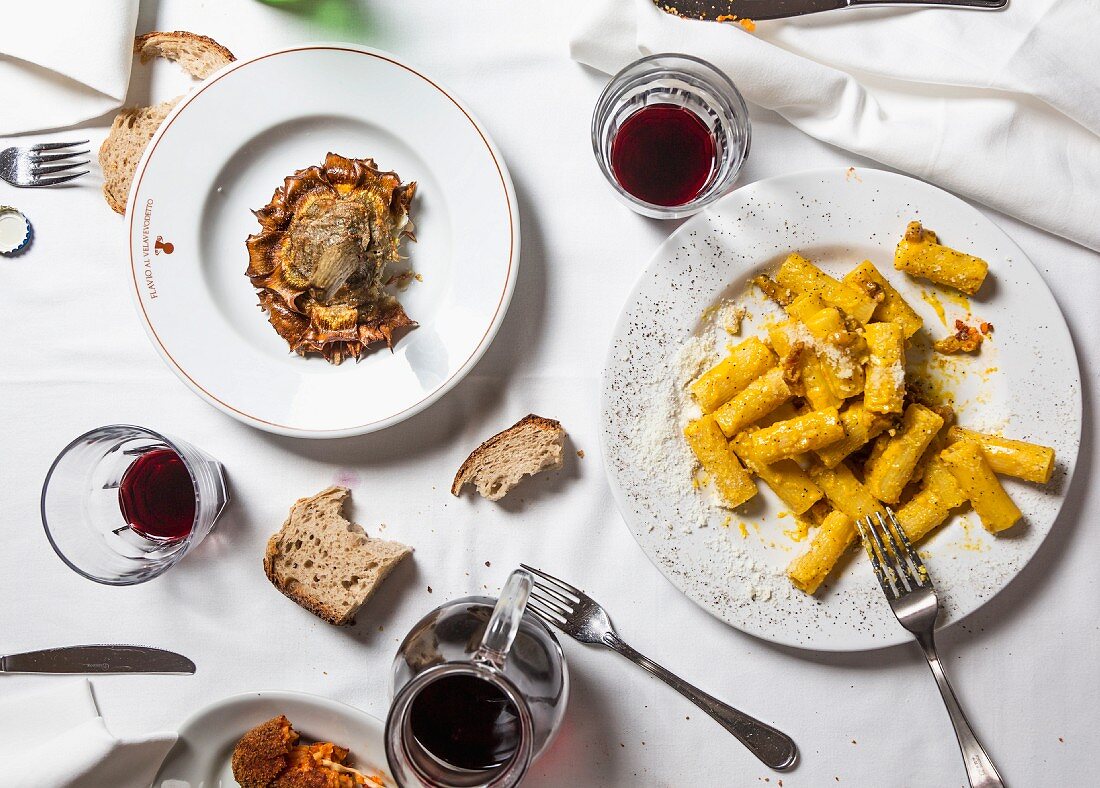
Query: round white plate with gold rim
[1025, 383]
[221, 154]
[202, 756]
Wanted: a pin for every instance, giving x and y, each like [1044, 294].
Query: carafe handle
[504, 623]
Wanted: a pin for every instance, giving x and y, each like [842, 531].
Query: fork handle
[979, 768]
[774, 748]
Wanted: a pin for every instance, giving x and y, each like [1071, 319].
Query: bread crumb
[580, 453]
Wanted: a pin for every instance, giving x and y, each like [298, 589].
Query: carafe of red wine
[479, 690]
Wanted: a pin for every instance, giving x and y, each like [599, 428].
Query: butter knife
[97, 659]
[756, 10]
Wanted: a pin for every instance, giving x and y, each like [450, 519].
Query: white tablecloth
[76, 357]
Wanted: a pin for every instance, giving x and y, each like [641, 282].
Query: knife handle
[988, 5]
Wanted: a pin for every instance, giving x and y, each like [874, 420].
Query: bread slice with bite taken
[531, 445]
[133, 127]
[325, 563]
[199, 56]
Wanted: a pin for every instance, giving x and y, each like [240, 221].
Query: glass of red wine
[122, 504]
[670, 133]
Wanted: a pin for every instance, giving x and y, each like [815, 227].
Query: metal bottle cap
[15, 230]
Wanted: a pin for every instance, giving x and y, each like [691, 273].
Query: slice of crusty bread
[198, 55]
[531, 445]
[326, 564]
[133, 127]
[131, 130]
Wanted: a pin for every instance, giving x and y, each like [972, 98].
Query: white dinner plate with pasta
[774, 375]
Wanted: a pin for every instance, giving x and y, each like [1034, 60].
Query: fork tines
[45, 158]
[551, 598]
[64, 154]
[897, 566]
[56, 145]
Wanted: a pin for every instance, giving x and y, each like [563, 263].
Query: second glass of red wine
[122, 504]
[480, 688]
[670, 133]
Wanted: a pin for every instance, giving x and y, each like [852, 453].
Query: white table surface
[75, 357]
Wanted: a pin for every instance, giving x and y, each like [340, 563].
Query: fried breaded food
[269, 756]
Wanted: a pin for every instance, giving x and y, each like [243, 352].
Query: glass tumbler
[680, 81]
[82, 509]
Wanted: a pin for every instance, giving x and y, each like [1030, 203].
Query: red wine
[466, 722]
[157, 496]
[663, 155]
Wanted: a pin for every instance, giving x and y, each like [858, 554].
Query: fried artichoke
[319, 261]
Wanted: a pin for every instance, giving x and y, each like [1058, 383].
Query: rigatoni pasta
[824, 411]
[844, 491]
[711, 448]
[926, 510]
[920, 253]
[837, 348]
[861, 426]
[786, 478]
[1028, 461]
[801, 276]
[795, 436]
[799, 359]
[742, 366]
[971, 470]
[884, 388]
[891, 306]
[754, 402]
[895, 456]
[833, 537]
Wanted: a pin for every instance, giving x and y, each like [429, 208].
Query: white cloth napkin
[55, 738]
[1003, 107]
[62, 62]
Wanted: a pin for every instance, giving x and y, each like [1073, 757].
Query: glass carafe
[478, 678]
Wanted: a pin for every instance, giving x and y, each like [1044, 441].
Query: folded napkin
[55, 738]
[63, 62]
[1002, 107]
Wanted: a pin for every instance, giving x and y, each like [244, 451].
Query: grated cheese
[840, 361]
[896, 371]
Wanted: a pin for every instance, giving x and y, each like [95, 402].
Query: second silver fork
[908, 588]
[581, 617]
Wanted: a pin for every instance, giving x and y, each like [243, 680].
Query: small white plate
[201, 758]
[222, 153]
[1025, 382]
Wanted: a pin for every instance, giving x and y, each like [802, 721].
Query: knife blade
[757, 10]
[97, 659]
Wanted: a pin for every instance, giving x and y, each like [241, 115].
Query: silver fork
[581, 617]
[35, 166]
[908, 588]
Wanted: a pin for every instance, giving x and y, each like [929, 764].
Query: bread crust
[465, 471]
[116, 183]
[154, 39]
[333, 498]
